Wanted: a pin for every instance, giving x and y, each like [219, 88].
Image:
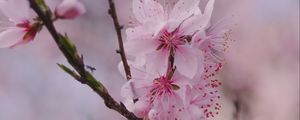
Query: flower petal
[137, 72]
[141, 108]
[141, 46]
[16, 10]
[11, 37]
[140, 60]
[195, 113]
[138, 85]
[147, 29]
[147, 10]
[209, 9]
[186, 61]
[184, 9]
[157, 62]
[199, 38]
[135, 88]
[200, 21]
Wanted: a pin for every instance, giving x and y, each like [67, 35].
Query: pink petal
[140, 60]
[199, 22]
[135, 88]
[153, 114]
[136, 32]
[147, 10]
[16, 10]
[157, 62]
[141, 108]
[188, 96]
[199, 38]
[127, 90]
[167, 107]
[184, 9]
[11, 37]
[141, 30]
[137, 72]
[186, 61]
[200, 69]
[209, 9]
[196, 113]
[129, 104]
[146, 29]
[181, 81]
[141, 46]
[138, 85]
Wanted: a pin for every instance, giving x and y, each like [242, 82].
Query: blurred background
[260, 78]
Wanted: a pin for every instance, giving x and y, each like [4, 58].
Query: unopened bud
[69, 9]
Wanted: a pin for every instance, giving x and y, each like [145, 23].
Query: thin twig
[77, 63]
[113, 13]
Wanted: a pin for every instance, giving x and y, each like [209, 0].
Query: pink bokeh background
[261, 74]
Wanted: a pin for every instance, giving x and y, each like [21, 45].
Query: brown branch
[76, 61]
[113, 13]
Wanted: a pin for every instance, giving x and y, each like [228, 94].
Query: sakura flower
[69, 9]
[154, 96]
[170, 96]
[213, 42]
[162, 31]
[22, 30]
[201, 100]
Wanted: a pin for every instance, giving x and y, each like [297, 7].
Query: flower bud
[69, 9]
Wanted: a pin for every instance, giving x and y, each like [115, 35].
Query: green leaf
[68, 45]
[69, 71]
[40, 2]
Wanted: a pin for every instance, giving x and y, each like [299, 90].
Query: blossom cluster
[176, 54]
[24, 24]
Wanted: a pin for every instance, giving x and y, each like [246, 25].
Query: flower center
[171, 40]
[24, 24]
[162, 86]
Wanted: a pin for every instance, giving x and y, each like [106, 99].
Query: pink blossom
[214, 41]
[161, 97]
[154, 96]
[161, 31]
[201, 100]
[69, 9]
[22, 31]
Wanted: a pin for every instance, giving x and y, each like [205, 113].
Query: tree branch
[118, 28]
[76, 61]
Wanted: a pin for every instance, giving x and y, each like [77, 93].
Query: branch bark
[76, 61]
[113, 13]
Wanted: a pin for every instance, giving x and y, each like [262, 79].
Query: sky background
[261, 73]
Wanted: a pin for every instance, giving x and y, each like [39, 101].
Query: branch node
[121, 27]
[118, 51]
[109, 11]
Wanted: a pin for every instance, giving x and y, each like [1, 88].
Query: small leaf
[69, 71]
[43, 6]
[40, 2]
[68, 45]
